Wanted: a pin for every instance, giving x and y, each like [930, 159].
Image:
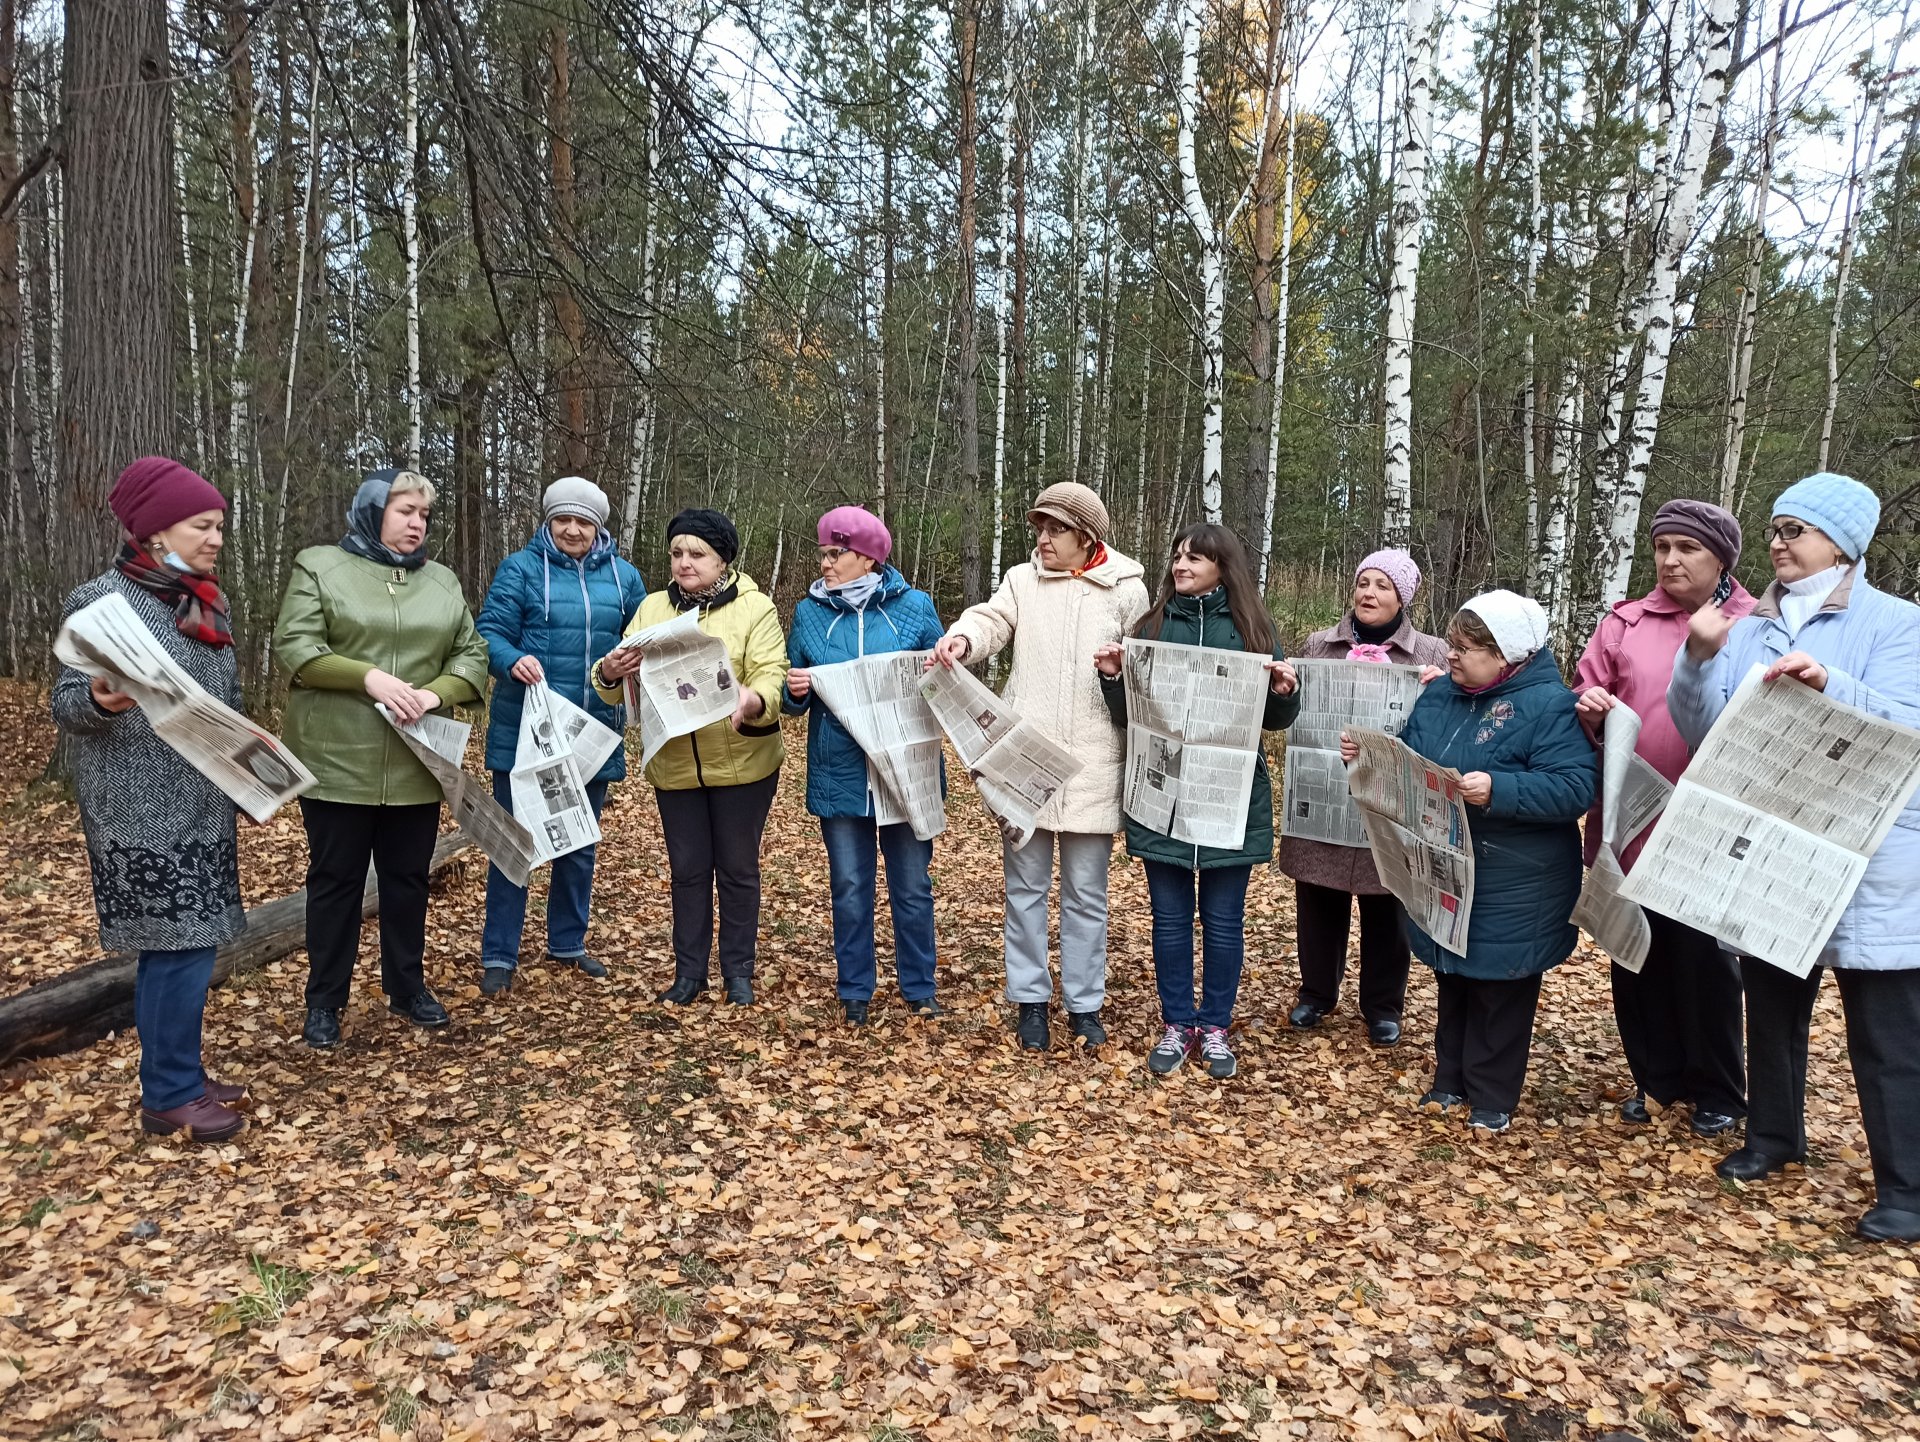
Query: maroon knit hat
[1712, 527]
[154, 493]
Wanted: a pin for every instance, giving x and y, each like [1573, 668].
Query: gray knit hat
[575, 496]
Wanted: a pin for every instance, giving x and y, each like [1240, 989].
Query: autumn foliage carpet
[579, 1214]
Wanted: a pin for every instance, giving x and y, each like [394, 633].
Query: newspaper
[440, 742]
[1335, 696]
[1632, 793]
[108, 641]
[685, 681]
[878, 700]
[1417, 826]
[1016, 769]
[1775, 819]
[547, 785]
[1193, 739]
[591, 742]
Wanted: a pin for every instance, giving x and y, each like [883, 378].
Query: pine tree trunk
[971, 581]
[1536, 244]
[1413, 138]
[1002, 286]
[410, 226]
[566, 305]
[1262, 350]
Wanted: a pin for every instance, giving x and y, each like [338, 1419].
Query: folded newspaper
[440, 742]
[1774, 820]
[108, 641]
[1632, 793]
[685, 681]
[1016, 769]
[1335, 696]
[878, 700]
[1193, 739]
[1416, 823]
[548, 780]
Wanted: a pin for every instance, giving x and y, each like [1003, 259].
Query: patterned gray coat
[1321, 863]
[161, 838]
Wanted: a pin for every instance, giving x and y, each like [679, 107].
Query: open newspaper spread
[1193, 739]
[1417, 826]
[685, 681]
[548, 780]
[1632, 793]
[107, 640]
[440, 742]
[878, 700]
[1774, 821]
[1335, 696]
[1016, 769]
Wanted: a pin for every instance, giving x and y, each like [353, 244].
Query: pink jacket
[1631, 654]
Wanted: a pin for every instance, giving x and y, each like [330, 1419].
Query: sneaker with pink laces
[1175, 1043]
[1215, 1052]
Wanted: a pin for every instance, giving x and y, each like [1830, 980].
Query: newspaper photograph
[685, 681]
[440, 742]
[1016, 769]
[1193, 739]
[1417, 828]
[590, 741]
[878, 700]
[1335, 696]
[108, 641]
[549, 796]
[1618, 926]
[1774, 820]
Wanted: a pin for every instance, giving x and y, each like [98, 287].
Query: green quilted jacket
[343, 616]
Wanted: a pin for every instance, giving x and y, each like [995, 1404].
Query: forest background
[1489, 279]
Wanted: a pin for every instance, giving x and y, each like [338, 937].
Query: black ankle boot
[684, 991]
[1033, 1026]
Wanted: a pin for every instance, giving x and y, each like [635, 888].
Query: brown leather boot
[201, 1120]
[234, 1097]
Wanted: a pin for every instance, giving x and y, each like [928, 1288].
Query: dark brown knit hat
[1712, 527]
[1073, 504]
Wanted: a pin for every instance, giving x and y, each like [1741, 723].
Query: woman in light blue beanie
[1821, 623]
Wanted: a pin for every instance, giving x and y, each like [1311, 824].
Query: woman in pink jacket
[1680, 1018]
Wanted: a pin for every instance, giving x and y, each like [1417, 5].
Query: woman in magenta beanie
[162, 839]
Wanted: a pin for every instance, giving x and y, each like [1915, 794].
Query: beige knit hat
[1074, 505]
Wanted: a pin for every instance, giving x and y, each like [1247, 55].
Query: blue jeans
[569, 893]
[169, 1000]
[1222, 894]
[852, 869]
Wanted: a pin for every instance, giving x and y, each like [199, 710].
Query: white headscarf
[1518, 624]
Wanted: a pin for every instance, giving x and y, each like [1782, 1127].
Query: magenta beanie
[154, 493]
[856, 529]
[1397, 567]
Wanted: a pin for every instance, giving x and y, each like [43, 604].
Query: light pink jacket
[1631, 654]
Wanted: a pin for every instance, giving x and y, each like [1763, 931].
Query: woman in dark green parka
[1208, 598]
[1503, 717]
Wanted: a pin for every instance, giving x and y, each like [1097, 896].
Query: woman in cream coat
[1076, 595]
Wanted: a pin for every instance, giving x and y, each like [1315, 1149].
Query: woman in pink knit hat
[1329, 878]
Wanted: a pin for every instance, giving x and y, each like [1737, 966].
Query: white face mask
[172, 559]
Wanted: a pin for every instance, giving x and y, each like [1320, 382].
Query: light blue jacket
[1870, 644]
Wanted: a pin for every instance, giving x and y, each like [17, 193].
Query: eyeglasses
[830, 554]
[1786, 531]
[1051, 527]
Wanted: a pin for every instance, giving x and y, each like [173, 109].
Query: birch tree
[1413, 139]
[410, 226]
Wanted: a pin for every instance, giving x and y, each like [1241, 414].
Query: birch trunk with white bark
[1413, 138]
[1211, 338]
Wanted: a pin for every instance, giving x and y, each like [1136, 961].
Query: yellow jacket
[717, 755]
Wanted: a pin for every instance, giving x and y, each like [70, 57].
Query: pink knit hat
[154, 493]
[856, 530]
[1397, 567]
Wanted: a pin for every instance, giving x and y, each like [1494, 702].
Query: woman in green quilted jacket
[371, 621]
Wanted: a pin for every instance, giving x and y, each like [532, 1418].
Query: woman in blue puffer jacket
[1504, 718]
[861, 606]
[556, 606]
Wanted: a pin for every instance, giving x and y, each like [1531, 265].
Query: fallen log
[67, 1012]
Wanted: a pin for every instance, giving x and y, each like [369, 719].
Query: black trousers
[1883, 1019]
[713, 847]
[1481, 1038]
[1322, 918]
[341, 839]
[1680, 1018]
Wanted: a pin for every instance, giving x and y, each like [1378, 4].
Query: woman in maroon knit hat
[161, 837]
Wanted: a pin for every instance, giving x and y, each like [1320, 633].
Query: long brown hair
[1244, 603]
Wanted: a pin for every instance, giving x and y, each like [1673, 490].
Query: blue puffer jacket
[895, 618]
[1526, 839]
[1870, 644]
[568, 614]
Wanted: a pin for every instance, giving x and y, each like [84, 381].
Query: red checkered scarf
[199, 605]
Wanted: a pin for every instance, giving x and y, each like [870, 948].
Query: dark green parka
[1206, 621]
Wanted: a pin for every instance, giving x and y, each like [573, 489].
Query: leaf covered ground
[582, 1215]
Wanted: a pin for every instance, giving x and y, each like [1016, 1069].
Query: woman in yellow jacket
[715, 786]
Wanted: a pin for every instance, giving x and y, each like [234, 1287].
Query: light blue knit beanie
[1839, 505]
